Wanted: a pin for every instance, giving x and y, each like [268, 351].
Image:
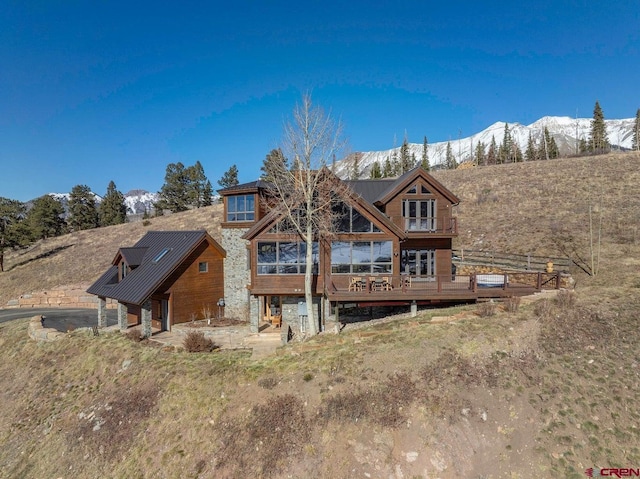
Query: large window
[285, 257]
[240, 208]
[419, 215]
[363, 257]
[350, 220]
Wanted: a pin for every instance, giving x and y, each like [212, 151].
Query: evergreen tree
[375, 171]
[395, 163]
[45, 218]
[387, 169]
[492, 154]
[230, 178]
[207, 194]
[112, 210]
[548, 148]
[583, 146]
[516, 153]
[12, 232]
[355, 166]
[450, 160]
[635, 142]
[506, 148]
[554, 151]
[598, 141]
[480, 157]
[425, 155]
[531, 154]
[274, 166]
[83, 213]
[407, 161]
[196, 183]
[174, 194]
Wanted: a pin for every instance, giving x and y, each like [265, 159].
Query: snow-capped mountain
[139, 201]
[566, 131]
[136, 201]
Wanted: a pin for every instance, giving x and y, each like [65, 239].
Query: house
[392, 246]
[166, 278]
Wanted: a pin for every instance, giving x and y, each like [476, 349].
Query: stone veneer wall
[63, 297]
[236, 274]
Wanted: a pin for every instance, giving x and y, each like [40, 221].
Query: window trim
[240, 216]
[280, 268]
[200, 267]
[357, 267]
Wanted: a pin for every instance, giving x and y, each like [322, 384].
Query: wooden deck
[369, 290]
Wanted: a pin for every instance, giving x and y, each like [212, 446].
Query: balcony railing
[431, 225]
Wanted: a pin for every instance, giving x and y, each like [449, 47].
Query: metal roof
[133, 256]
[370, 190]
[144, 280]
[251, 186]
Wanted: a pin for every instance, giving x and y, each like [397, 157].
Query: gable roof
[252, 186]
[132, 256]
[409, 177]
[370, 190]
[159, 254]
[354, 198]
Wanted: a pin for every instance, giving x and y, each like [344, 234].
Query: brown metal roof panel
[133, 256]
[105, 283]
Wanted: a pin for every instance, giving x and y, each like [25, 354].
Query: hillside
[567, 132]
[546, 389]
[80, 258]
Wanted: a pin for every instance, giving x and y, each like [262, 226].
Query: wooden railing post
[539, 281]
[557, 279]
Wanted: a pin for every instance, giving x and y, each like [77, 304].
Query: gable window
[240, 208]
[285, 257]
[123, 270]
[364, 257]
[350, 220]
[203, 267]
[419, 215]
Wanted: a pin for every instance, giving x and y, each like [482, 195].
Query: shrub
[196, 342]
[268, 383]
[486, 309]
[134, 335]
[566, 299]
[543, 308]
[512, 304]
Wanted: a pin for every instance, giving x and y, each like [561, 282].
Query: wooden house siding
[191, 290]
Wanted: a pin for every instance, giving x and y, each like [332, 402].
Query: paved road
[61, 319]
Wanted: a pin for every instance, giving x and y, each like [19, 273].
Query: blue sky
[93, 91]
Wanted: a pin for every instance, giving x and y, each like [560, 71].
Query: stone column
[102, 312]
[123, 324]
[146, 319]
[254, 314]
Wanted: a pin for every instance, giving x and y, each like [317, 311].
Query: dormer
[128, 259]
[242, 206]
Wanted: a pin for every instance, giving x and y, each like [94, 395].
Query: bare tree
[304, 194]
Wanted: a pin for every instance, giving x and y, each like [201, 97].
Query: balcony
[443, 226]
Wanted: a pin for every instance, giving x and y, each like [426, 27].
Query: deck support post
[414, 309]
[102, 312]
[146, 319]
[122, 317]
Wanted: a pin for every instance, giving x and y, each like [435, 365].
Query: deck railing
[375, 284]
[446, 225]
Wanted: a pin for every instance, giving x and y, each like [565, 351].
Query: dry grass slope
[80, 258]
[546, 389]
